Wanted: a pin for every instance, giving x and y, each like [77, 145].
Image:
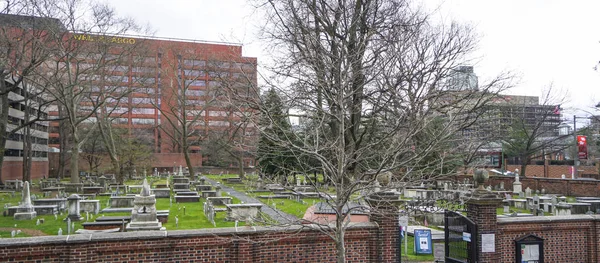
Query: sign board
[423, 241]
[488, 243]
[582, 147]
[466, 236]
[403, 220]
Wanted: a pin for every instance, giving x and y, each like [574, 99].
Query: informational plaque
[403, 220]
[488, 243]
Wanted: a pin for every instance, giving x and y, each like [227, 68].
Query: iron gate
[461, 238]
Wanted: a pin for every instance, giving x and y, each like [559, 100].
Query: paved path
[279, 216]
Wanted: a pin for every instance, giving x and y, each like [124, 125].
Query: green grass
[5, 234]
[291, 206]
[412, 255]
[193, 218]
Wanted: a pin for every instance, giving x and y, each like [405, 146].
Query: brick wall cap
[484, 201]
[147, 235]
[547, 219]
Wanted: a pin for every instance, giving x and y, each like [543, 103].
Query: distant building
[172, 69]
[150, 78]
[37, 132]
[463, 78]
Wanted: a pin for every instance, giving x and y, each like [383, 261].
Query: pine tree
[274, 160]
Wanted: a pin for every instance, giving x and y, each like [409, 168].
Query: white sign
[403, 220]
[466, 236]
[488, 243]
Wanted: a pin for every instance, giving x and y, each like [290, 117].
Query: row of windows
[19, 153]
[32, 111]
[191, 92]
[16, 121]
[20, 137]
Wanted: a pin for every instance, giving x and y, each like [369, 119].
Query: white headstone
[60, 231]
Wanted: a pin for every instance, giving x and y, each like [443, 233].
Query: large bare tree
[186, 98]
[88, 46]
[534, 128]
[23, 40]
[370, 80]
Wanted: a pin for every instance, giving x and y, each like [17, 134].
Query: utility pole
[576, 155]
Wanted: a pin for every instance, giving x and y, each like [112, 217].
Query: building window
[142, 121]
[141, 100]
[142, 110]
[218, 123]
[217, 113]
[194, 63]
[200, 83]
[193, 92]
[194, 73]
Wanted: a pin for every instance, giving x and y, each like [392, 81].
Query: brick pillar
[481, 208]
[385, 214]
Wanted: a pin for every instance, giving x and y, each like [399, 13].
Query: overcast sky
[543, 41]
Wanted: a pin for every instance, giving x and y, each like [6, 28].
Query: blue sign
[423, 241]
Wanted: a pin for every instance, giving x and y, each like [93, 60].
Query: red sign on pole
[582, 147]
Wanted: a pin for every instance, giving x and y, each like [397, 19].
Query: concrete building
[37, 133]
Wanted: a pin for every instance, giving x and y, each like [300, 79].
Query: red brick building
[165, 79]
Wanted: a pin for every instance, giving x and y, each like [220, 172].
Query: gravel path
[279, 216]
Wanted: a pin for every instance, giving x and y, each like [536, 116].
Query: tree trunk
[241, 167]
[75, 159]
[188, 160]
[3, 124]
[524, 162]
[27, 152]
[339, 237]
[63, 134]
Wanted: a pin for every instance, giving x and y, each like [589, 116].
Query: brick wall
[566, 187]
[292, 244]
[14, 170]
[566, 238]
[554, 171]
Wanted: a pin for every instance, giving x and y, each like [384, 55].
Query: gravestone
[25, 210]
[536, 204]
[143, 214]
[517, 186]
[562, 209]
[74, 207]
[506, 206]
[501, 186]
[527, 192]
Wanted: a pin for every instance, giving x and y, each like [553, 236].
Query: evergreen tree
[274, 160]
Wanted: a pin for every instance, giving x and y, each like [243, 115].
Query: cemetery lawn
[411, 254]
[285, 205]
[194, 217]
[49, 227]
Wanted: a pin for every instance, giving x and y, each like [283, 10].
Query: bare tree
[23, 42]
[79, 57]
[534, 130]
[193, 107]
[369, 77]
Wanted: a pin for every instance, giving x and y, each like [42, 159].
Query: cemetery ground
[190, 215]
